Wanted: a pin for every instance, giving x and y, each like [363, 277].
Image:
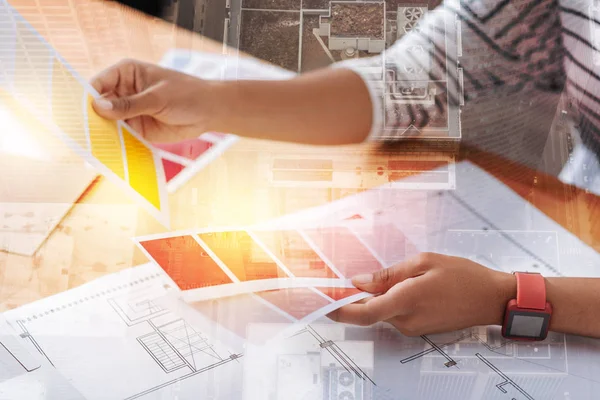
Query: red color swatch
[184, 260]
[388, 242]
[172, 169]
[297, 302]
[344, 250]
[190, 149]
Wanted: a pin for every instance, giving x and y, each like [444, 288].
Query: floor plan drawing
[117, 328]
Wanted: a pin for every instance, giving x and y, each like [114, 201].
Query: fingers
[382, 280]
[106, 81]
[375, 309]
[125, 107]
[125, 77]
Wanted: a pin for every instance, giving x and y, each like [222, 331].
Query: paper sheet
[113, 339]
[40, 79]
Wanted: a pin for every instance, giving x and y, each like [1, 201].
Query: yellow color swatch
[67, 104]
[105, 141]
[141, 167]
[32, 70]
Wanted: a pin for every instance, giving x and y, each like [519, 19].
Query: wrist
[505, 286]
[222, 97]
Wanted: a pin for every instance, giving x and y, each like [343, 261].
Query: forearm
[575, 303]
[327, 107]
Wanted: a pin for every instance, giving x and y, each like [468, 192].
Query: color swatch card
[210, 265]
[40, 79]
[224, 262]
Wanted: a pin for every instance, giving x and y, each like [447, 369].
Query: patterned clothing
[499, 65]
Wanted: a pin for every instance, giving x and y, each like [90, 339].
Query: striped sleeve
[461, 54]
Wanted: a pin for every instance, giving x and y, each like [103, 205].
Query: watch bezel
[513, 310]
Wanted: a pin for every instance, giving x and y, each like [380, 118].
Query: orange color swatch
[242, 255]
[184, 260]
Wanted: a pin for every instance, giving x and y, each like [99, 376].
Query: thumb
[382, 280]
[144, 103]
[377, 282]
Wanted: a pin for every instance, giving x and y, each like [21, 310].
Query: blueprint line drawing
[137, 309]
[534, 256]
[173, 344]
[507, 380]
[338, 354]
[26, 335]
[434, 348]
[25, 367]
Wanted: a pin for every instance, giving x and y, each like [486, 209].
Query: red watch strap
[531, 291]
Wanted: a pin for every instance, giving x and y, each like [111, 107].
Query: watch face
[527, 324]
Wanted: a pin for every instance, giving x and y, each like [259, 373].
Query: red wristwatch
[528, 316]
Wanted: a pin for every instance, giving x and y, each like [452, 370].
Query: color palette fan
[37, 76]
[231, 261]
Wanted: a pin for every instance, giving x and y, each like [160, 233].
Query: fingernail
[363, 279]
[104, 104]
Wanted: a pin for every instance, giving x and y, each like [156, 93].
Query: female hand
[431, 293]
[162, 105]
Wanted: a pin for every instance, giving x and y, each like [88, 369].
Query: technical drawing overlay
[317, 362]
[483, 365]
[521, 255]
[421, 92]
[42, 81]
[116, 329]
[429, 75]
[506, 380]
[337, 353]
